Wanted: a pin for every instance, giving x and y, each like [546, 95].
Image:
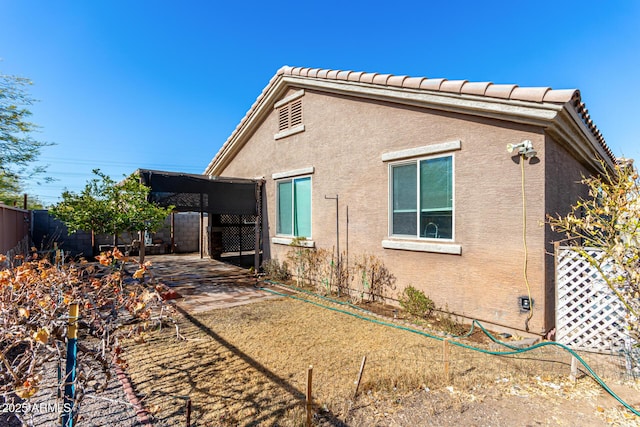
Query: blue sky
[162, 84]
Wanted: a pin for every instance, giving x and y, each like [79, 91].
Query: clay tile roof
[535, 94]
[332, 74]
[413, 82]
[368, 77]
[396, 80]
[313, 72]
[582, 111]
[343, 75]
[381, 79]
[355, 76]
[500, 91]
[460, 87]
[561, 95]
[453, 86]
[431, 84]
[283, 70]
[475, 88]
[304, 72]
[296, 71]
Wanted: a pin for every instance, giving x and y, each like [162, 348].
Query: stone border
[141, 412]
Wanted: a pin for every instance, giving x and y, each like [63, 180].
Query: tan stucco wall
[344, 139]
[562, 190]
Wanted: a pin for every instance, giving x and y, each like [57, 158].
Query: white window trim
[295, 172]
[417, 243]
[288, 240]
[289, 132]
[291, 176]
[419, 246]
[425, 150]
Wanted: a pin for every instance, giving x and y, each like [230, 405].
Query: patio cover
[201, 193]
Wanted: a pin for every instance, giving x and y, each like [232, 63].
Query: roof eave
[526, 112]
[570, 131]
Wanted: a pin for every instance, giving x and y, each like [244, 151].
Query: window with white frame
[294, 207]
[422, 198]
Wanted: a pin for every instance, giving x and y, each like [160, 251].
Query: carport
[232, 206]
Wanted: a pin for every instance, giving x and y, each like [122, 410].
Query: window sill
[289, 132]
[289, 240]
[416, 246]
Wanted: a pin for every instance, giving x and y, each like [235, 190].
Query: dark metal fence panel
[238, 232]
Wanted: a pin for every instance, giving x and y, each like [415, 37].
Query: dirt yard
[247, 365]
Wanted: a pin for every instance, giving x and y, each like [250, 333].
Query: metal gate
[238, 232]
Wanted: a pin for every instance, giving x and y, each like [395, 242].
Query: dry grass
[247, 366]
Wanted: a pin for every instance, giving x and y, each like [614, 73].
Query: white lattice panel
[588, 314]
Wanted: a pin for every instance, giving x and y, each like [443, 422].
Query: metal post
[201, 226]
[258, 226]
[347, 237]
[141, 246]
[309, 401]
[337, 237]
[70, 371]
[173, 232]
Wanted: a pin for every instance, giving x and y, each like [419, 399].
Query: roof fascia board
[539, 114]
[544, 115]
[568, 128]
[576, 121]
[246, 127]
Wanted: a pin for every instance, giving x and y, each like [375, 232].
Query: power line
[122, 164]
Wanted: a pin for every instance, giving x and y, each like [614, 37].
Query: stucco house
[423, 167]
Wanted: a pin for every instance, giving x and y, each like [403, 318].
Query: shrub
[415, 302]
[276, 271]
[366, 279]
[312, 267]
[451, 325]
[371, 278]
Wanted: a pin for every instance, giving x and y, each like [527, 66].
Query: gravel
[109, 406]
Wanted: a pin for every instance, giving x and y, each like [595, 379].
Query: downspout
[258, 226]
[201, 226]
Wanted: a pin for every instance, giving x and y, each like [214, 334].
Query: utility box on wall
[525, 303]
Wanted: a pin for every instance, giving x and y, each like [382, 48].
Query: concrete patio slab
[206, 284]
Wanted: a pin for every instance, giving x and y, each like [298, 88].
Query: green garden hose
[512, 349]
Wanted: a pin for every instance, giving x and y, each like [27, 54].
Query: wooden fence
[589, 316]
[14, 230]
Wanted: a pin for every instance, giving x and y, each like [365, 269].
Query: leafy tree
[18, 149]
[108, 207]
[130, 209]
[609, 219]
[16, 198]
